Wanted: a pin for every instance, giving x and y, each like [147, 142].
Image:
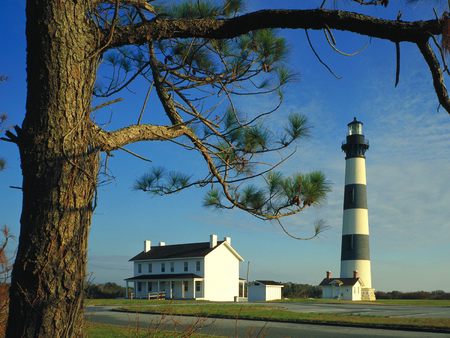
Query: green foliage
[280, 192]
[253, 139]
[294, 290]
[269, 46]
[192, 10]
[202, 9]
[158, 181]
[437, 295]
[212, 198]
[231, 7]
[106, 290]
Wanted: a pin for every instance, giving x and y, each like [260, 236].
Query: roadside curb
[302, 321]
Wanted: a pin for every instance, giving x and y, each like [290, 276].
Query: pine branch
[108, 141]
[436, 72]
[160, 29]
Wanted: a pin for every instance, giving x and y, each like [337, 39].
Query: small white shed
[263, 290]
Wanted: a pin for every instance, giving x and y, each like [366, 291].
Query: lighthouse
[355, 252]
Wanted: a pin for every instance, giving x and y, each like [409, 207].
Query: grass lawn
[139, 302]
[405, 302]
[276, 313]
[98, 330]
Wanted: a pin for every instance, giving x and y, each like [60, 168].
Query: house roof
[269, 282]
[176, 251]
[165, 276]
[340, 281]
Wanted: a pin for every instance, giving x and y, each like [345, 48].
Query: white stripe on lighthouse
[355, 221]
[363, 268]
[355, 170]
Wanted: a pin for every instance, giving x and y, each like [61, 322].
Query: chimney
[328, 274]
[212, 241]
[162, 243]
[227, 239]
[147, 245]
[355, 274]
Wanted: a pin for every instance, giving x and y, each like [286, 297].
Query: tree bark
[59, 167]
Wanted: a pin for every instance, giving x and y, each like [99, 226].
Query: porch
[168, 286]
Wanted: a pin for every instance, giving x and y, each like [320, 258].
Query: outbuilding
[343, 288]
[264, 290]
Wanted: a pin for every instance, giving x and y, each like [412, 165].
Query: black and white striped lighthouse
[355, 253]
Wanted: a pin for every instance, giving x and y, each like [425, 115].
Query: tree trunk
[59, 167]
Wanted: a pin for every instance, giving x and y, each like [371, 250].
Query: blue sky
[408, 166]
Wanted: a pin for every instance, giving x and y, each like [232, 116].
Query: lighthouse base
[368, 294]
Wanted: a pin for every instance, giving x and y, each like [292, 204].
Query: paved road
[243, 328]
[370, 309]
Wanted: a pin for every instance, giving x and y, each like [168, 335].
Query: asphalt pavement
[369, 309]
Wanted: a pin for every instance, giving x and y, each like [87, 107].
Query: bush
[106, 290]
[293, 290]
[437, 294]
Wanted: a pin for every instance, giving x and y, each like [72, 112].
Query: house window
[185, 266]
[149, 286]
[198, 286]
[186, 288]
[139, 286]
[197, 266]
[163, 267]
[150, 269]
[172, 267]
[139, 268]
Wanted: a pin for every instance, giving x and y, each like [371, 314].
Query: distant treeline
[107, 290]
[438, 294]
[293, 290]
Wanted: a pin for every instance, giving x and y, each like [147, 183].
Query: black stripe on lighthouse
[355, 247]
[355, 196]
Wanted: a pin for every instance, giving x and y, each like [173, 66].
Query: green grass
[276, 313]
[405, 302]
[98, 330]
[139, 302]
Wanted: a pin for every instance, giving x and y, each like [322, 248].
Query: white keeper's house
[206, 270]
[344, 288]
